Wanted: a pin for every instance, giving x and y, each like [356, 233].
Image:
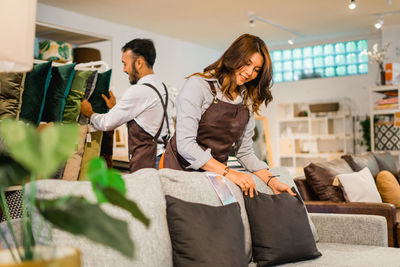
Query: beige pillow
[359, 186]
[388, 187]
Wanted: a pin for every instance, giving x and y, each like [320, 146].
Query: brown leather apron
[220, 126]
[142, 145]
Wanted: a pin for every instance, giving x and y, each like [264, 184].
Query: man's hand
[86, 108]
[110, 102]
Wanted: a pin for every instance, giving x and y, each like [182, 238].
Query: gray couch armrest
[351, 229]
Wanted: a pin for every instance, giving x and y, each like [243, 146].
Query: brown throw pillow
[359, 162]
[387, 162]
[388, 188]
[320, 176]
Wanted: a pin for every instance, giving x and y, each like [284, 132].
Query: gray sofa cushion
[195, 187]
[341, 255]
[152, 245]
[358, 162]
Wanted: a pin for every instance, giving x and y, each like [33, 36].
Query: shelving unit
[384, 135]
[310, 137]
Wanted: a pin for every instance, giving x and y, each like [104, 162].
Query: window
[328, 60]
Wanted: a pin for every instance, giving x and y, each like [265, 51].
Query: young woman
[215, 111]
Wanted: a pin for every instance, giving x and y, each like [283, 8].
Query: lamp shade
[17, 28]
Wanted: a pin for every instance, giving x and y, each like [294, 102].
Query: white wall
[391, 34]
[175, 58]
[354, 87]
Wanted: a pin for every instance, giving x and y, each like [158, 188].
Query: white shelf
[294, 119]
[316, 155]
[376, 93]
[319, 135]
[385, 111]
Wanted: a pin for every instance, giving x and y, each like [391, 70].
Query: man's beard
[134, 77]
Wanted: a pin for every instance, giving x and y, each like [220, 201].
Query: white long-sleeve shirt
[193, 100]
[142, 104]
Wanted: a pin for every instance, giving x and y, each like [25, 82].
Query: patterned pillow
[55, 51]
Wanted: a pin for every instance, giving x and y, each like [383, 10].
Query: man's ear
[139, 63]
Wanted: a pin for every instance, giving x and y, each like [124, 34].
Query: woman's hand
[244, 181]
[279, 187]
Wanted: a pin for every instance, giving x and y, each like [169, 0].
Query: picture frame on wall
[261, 140]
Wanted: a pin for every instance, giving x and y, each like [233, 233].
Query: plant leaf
[11, 172]
[117, 199]
[57, 143]
[42, 153]
[101, 177]
[77, 216]
[22, 141]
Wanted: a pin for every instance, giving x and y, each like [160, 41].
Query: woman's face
[250, 70]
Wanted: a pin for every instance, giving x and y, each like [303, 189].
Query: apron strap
[213, 91]
[165, 115]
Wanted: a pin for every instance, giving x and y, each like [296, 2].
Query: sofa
[320, 196]
[343, 240]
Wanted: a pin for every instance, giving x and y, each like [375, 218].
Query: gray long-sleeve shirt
[193, 100]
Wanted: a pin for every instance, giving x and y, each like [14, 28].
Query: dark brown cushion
[203, 235]
[320, 176]
[280, 231]
[359, 162]
[387, 162]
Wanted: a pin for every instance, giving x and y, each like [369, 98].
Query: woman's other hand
[279, 187]
[244, 181]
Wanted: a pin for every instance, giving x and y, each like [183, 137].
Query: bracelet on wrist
[270, 178]
[226, 170]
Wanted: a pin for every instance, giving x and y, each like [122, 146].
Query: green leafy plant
[366, 132]
[27, 156]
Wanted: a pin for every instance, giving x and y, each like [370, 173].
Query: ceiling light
[253, 17]
[352, 4]
[379, 24]
[290, 41]
[251, 23]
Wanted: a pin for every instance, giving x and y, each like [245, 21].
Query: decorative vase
[49, 257]
[382, 74]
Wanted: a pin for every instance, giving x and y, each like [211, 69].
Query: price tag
[89, 138]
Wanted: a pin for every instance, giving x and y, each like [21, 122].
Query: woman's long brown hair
[236, 56]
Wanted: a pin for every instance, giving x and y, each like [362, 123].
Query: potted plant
[26, 156]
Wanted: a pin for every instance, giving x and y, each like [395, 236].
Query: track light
[379, 24]
[352, 4]
[252, 23]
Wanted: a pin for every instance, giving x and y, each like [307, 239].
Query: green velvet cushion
[58, 91]
[102, 87]
[11, 89]
[36, 83]
[75, 97]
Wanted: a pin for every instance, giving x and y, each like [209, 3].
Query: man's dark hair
[144, 48]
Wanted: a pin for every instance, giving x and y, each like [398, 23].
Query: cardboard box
[392, 73]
